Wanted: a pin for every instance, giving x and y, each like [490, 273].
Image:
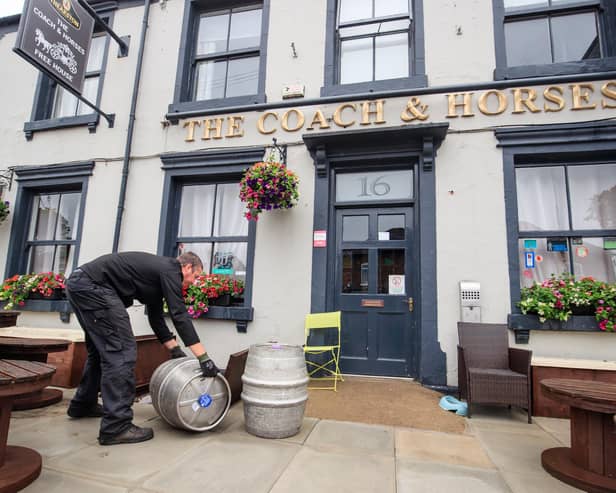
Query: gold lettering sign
[491, 103]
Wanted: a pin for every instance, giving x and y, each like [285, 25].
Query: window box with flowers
[564, 303]
[42, 292]
[4, 210]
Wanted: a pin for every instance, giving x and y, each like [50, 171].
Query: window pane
[213, 32]
[245, 30]
[65, 104]
[575, 37]
[528, 42]
[354, 271]
[591, 259]
[356, 61]
[354, 228]
[593, 196]
[95, 57]
[203, 250]
[229, 217]
[391, 227]
[545, 263]
[90, 92]
[392, 57]
[67, 222]
[230, 259]
[391, 263]
[196, 210]
[542, 199]
[210, 80]
[64, 259]
[352, 10]
[375, 28]
[511, 4]
[384, 8]
[44, 215]
[374, 186]
[243, 77]
[41, 259]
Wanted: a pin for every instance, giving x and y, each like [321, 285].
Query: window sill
[241, 314]
[60, 306]
[91, 121]
[416, 81]
[177, 110]
[523, 324]
[555, 69]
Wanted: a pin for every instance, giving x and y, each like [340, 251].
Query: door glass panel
[593, 196]
[355, 271]
[391, 271]
[354, 228]
[374, 186]
[391, 227]
[542, 199]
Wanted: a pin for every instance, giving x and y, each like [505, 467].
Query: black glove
[176, 352]
[208, 368]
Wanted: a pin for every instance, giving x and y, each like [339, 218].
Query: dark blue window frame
[182, 98]
[199, 168]
[606, 11]
[33, 180]
[417, 66]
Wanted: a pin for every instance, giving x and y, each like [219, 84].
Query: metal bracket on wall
[6, 178]
[281, 151]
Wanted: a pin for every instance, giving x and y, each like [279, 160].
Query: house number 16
[377, 186]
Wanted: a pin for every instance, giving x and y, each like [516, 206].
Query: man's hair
[192, 259]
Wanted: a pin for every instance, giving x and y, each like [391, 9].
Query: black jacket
[147, 278]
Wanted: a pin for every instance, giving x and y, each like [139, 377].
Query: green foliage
[15, 290]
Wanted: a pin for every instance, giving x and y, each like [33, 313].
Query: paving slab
[131, 463]
[226, 464]
[558, 428]
[425, 477]
[537, 482]
[446, 448]
[54, 482]
[355, 438]
[313, 470]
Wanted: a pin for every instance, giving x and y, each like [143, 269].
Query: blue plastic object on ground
[449, 403]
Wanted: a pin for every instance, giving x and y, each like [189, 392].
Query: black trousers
[112, 352]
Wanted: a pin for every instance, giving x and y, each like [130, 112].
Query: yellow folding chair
[331, 368]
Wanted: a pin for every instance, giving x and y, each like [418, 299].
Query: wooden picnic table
[589, 463]
[33, 349]
[19, 466]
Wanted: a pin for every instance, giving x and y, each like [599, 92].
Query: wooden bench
[24, 348]
[19, 466]
[589, 463]
[577, 369]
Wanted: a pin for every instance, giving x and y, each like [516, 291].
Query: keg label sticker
[205, 400]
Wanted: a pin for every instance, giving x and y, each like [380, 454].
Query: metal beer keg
[275, 390]
[184, 399]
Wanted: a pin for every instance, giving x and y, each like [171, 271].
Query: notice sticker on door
[529, 260]
[396, 284]
[319, 239]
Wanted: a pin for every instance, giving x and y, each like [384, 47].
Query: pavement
[499, 452]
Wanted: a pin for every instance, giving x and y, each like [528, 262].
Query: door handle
[411, 303]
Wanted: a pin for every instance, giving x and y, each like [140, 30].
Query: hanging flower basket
[266, 186]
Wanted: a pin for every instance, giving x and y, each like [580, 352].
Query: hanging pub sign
[54, 36]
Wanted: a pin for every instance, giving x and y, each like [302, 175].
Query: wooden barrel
[275, 390]
[187, 400]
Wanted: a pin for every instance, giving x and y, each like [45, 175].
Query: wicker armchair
[489, 371]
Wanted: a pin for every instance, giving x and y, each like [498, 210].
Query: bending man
[99, 293]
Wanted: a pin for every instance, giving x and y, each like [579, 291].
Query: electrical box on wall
[470, 301]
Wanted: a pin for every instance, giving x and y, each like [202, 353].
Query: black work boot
[133, 434]
[90, 412]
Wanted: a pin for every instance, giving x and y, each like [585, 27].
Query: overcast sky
[10, 7]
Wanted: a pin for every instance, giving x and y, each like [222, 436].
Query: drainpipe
[131, 127]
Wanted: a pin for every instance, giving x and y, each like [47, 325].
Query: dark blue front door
[374, 290]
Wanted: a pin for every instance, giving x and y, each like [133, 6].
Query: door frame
[383, 147]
